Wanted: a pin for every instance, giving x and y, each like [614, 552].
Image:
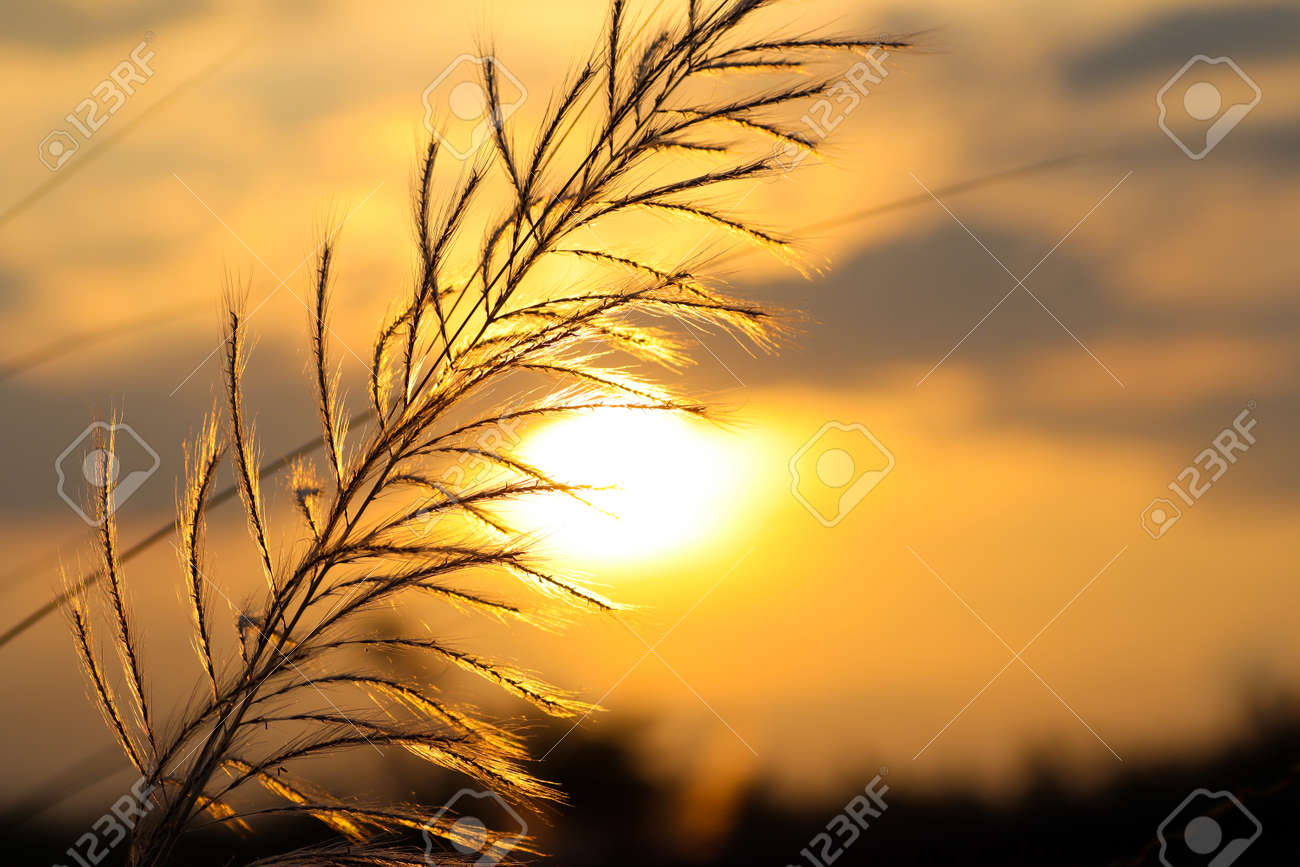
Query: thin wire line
[366, 416]
[95, 153]
[73, 343]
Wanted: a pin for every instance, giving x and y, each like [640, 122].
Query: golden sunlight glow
[666, 483]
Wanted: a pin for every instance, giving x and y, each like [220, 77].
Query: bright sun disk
[674, 482]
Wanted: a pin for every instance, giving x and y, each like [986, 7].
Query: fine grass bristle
[484, 341]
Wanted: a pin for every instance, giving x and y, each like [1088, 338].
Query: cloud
[891, 314]
[1163, 43]
[11, 288]
[911, 299]
[60, 25]
[44, 415]
[1277, 143]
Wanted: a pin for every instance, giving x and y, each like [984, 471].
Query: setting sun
[650, 432]
[681, 484]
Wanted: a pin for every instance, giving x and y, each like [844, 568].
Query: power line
[364, 417]
[93, 154]
[953, 189]
[72, 343]
[163, 532]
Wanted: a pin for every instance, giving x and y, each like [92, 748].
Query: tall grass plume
[480, 327]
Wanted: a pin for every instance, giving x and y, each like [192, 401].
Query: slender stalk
[494, 332]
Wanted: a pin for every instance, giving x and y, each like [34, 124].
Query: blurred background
[938, 541]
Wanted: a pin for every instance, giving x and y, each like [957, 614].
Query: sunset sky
[1039, 356]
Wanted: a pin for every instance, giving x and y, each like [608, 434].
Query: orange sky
[1030, 424]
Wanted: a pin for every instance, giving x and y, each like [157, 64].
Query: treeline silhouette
[617, 815]
[618, 818]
